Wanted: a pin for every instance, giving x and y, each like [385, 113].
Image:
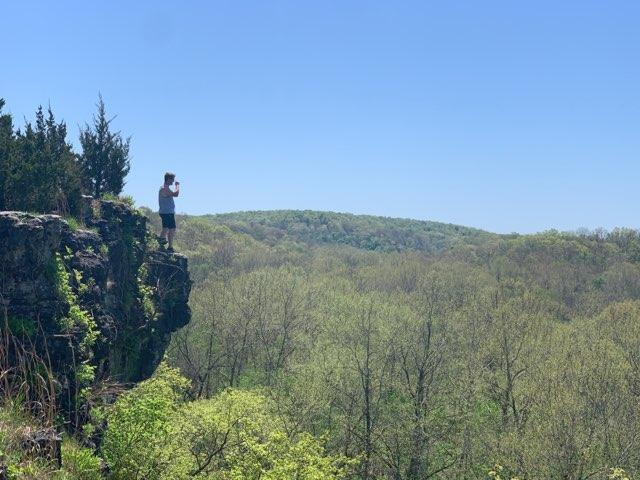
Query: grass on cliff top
[124, 199]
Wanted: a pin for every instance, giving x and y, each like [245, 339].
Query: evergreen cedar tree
[105, 155]
[39, 169]
[6, 137]
[39, 172]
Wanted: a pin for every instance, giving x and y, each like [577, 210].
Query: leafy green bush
[210, 434]
[139, 426]
[236, 435]
[79, 463]
[152, 433]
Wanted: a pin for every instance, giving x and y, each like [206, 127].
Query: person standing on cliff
[167, 209]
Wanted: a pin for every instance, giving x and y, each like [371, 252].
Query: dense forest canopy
[474, 355]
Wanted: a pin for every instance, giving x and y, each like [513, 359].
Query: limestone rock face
[94, 296]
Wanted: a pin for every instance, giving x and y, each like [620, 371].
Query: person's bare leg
[164, 232]
[171, 233]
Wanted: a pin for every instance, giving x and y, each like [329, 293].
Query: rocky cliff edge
[83, 305]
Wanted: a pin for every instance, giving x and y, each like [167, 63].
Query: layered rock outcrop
[87, 304]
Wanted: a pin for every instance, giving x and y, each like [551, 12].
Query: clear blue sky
[508, 116]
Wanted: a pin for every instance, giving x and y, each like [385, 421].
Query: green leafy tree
[105, 155]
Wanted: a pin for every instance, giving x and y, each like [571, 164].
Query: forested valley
[423, 350]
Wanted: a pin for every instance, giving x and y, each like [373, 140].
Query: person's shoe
[170, 249]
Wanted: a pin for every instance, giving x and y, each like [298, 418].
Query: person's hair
[169, 176]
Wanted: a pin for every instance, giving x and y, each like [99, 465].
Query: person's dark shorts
[168, 220]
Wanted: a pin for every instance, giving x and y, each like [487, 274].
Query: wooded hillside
[361, 231]
[432, 351]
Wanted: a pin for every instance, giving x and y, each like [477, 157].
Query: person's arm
[177, 192]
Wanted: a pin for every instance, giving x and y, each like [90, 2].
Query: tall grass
[26, 375]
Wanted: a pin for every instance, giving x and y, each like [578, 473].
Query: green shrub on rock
[77, 318]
